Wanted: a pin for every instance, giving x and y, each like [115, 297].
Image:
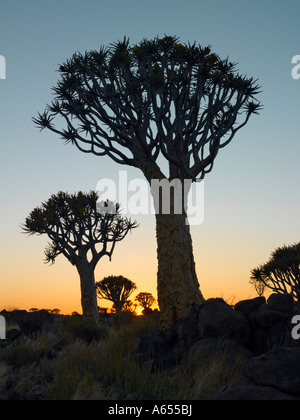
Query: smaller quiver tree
[116, 289]
[82, 231]
[281, 273]
[145, 300]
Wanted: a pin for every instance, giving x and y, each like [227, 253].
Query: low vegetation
[75, 361]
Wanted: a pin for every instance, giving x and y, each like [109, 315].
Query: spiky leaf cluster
[282, 272]
[75, 226]
[116, 289]
[136, 102]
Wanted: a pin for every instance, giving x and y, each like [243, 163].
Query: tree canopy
[116, 289]
[145, 299]
[160, 96]
[75, 225]
[281, 273]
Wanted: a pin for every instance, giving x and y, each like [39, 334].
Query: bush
[23, 353]
[81, 330]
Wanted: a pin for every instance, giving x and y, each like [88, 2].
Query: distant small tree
[33, 309]
[55, 311]
[259, 286]
[129, 307]
[145, 299]
[76, 228]
[281, 273]
[116, 289]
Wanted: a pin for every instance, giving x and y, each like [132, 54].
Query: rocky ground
[255, 337]
[257, 331]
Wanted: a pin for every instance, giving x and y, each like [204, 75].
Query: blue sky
[252, 202]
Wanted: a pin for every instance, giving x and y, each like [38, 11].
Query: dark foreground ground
[219, 352]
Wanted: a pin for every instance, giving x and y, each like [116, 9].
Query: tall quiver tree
[156, 99]
[83, 231]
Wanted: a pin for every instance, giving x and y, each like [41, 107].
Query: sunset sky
[252, 196]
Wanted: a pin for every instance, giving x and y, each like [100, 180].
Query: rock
[281, 302]
[168, 336]
[267, 317]
[258, 343]
[264, 339]
[33, 322]
[153, 349]
[249, 308]
[217, 318]
[216, 331]
[204, 350]
[187, 331]
[278, 368]
[243, 389]
[280, 334]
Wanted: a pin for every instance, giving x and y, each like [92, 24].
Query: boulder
[267, 317]
[258, 342]
[203, 351]
[264, 339]
[217, 318]
[281, 334]
[278, 368]
[187, 332]
[243, 389]
[249, 308]
[157, 349]
[281, 302]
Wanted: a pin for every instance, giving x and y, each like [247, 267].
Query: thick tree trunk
[177, 284]
[88, 293]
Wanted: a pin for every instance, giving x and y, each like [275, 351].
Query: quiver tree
[145, 300]
[116, 289]
[157, 99]
[82, 233]
[281, 273]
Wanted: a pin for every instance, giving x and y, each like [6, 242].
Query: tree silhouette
[116, 289]
[145, 300]
[82, 233]
[259, 286]
[281, 273]
[129, 307]
[157, 100]
[55, 311]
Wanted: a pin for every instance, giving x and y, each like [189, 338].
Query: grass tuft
[77, 361]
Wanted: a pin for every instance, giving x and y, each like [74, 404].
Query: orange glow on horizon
[30, 283]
